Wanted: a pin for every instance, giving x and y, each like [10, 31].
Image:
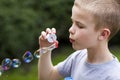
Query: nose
[71, 30]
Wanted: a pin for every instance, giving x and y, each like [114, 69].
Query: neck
[99, 54]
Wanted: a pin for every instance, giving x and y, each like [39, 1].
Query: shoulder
[75, 56]
[65, 67]
[79, 53]
[115, 76]
[114, 72]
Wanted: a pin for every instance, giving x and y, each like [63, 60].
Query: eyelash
[80, 26]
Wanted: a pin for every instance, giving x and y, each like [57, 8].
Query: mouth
[72, 40]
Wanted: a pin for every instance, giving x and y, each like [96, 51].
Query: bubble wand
[52, 38]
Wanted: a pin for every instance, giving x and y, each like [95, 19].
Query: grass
[116, 51]
[19, 74]
[32, 73]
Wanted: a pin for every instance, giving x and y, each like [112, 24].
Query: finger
[48, 30]
[43, 34]
[53, 30]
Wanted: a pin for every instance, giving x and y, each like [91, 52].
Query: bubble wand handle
[51, 39]
[46, 49]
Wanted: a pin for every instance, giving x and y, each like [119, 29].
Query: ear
[104, 34]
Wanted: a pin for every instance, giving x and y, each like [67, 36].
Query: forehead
[77, 3]
[78, 9]
[79, 13]
[82, 15]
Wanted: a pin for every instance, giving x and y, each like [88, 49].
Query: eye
[79, 25]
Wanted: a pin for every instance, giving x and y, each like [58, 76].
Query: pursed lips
[72, 40]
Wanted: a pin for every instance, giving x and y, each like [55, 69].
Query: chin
[77, 48]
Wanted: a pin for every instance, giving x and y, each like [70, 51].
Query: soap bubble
[6, 64]
[27, 57]
[37, 54]
[16, 63]
[1, 70]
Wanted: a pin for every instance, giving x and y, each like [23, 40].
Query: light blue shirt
[75, 66]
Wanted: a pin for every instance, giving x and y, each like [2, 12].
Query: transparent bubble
[0, 73]
[1, 70]
[51, 38]
[37, 54]
[6, 64]
[16, 63]
[27, 57]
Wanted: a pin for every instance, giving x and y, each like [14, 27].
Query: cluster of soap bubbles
[7, 63]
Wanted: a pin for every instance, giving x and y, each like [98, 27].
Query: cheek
[86, 36]
[82, 35]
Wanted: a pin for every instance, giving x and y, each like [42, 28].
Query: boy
[95, 22]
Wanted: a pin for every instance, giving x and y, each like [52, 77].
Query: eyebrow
[77, 22]
[76, 4]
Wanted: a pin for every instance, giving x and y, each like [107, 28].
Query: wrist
[44, 50]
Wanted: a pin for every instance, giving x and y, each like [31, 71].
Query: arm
[46, 70]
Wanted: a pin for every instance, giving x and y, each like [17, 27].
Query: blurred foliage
[115, 41]
[21, 22]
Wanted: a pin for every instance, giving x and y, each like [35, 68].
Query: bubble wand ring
[52, 38]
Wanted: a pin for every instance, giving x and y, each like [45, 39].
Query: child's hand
[43, 41]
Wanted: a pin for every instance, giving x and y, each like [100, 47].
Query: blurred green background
[21, 23]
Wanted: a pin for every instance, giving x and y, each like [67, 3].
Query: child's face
[82, 32]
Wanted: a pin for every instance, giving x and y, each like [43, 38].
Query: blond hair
[106, 13]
